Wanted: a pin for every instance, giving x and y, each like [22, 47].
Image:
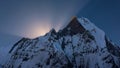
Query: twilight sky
[33, 18]
[36, 17]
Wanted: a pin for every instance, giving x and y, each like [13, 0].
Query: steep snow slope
[6, 42]
[79, 45]
[95, 31]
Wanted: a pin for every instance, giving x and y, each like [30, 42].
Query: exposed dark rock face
[73, 28]
[115, 50]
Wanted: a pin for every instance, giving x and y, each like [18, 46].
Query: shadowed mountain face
[73, 27]
[79, 45]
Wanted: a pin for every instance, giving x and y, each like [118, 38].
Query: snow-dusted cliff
[79, 45]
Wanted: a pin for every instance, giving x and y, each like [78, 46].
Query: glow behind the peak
[35, 18]
[37, 30]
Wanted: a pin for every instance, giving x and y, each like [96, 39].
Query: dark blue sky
[16, 15]
[106, 15]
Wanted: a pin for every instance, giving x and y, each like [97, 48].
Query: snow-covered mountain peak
[81, 25]
[79, 45]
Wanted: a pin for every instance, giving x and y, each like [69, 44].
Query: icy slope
[79, 45]
[95, 31]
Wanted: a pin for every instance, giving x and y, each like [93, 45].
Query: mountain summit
[74, 27]
[79, 45]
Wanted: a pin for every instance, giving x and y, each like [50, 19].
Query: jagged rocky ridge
[79, 45]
